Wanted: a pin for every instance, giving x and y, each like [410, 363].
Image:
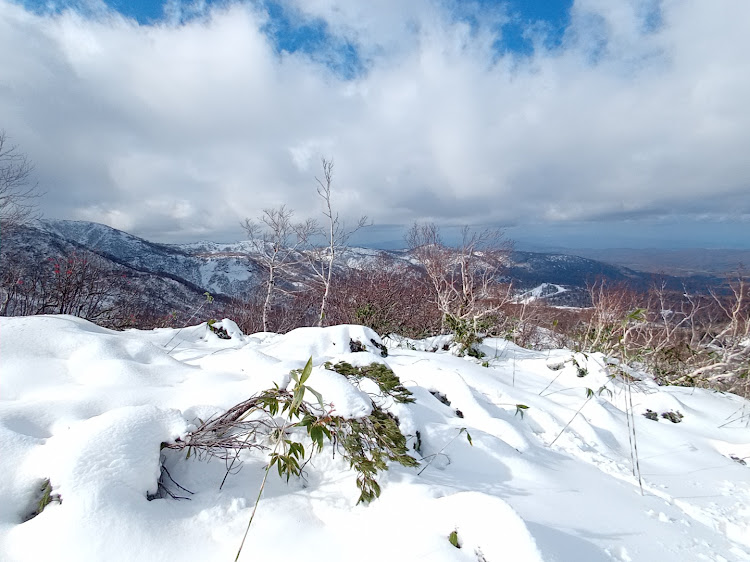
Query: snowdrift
[548, 473]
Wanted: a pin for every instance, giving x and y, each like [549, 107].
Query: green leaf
[296, 449]
[453, 539]
[316, 434]
[306, 372]
[468, 437]
[317, 395]
[307, 421]
[299, 394]
[520, 408]
[637, 315]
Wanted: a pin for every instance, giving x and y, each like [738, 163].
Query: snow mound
[322, 344]
[341, 398]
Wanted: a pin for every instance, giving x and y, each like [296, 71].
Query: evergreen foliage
[381, 374]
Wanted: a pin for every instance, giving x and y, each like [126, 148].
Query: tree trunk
[269, 294]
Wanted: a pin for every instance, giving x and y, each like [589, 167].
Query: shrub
[367, 443]
[381, 374]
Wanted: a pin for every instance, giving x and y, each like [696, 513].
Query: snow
[88, 409]
[541, 292]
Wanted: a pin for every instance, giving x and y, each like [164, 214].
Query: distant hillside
[30, 248]
[210, 271]
[534, 269]
[232, 270]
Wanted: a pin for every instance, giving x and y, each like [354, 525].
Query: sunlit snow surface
[88, 408]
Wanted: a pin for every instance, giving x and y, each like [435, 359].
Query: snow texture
[88, 409]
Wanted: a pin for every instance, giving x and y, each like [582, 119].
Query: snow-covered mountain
[29, 249]
[232, 269]
[214, 269]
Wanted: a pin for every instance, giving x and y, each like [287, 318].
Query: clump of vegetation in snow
[380, 374]
[368, 443]
[674, 417]
[453, 539]
[220, 331]
[44, 498]
[467, 334]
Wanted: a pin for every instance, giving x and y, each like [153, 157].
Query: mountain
[205, 266]
[233, 270]
[27, 252]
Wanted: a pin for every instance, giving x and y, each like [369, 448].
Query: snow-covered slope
[545, 291]
[88, 408]
[30, 249]
[233, 274]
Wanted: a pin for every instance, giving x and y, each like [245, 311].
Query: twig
[260, 492]
[209, 299]
[164, 468]
[571, 421]
[441, 450]
[631, 425]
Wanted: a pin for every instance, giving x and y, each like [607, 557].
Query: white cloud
[189, 127]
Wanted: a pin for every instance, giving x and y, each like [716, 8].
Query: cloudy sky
[584, 123]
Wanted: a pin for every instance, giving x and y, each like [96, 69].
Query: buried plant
[467, 334]
[283, 418]
[45, 496]
[440, 452]
[381, 374]
[220, 331]
[453, 539]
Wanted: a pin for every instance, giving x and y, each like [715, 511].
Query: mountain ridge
[232, 269]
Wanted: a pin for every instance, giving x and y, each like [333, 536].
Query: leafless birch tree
[276, 240]
[336, 234]
[463, 278]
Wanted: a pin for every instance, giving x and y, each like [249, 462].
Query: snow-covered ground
[88, 409]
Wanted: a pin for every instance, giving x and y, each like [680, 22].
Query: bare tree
[336, 234]
[464, 277]
[277, 241]
[681, 337]
[726, 340]
[17, 193]
[608, 324]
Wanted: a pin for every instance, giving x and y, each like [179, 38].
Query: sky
[585, 123]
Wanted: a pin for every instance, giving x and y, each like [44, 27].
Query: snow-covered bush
[298, 428]
[681, 338]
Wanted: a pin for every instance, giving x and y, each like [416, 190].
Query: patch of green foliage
[520, 408]
[467, 333]
[368, 444]
[45, 498]
[382, 375]
[218, 330]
